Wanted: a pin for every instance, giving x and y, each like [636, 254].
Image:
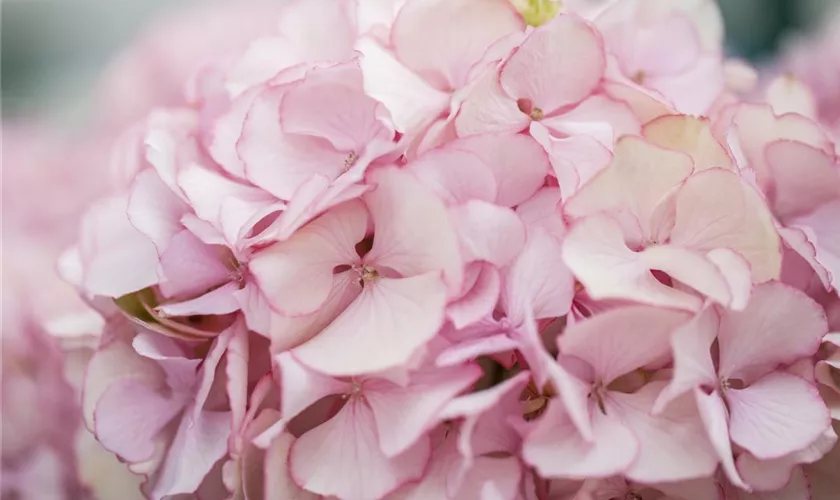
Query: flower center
[366, 274]
[598, 393]
[350, 160]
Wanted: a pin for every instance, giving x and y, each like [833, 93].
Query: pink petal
[278, 162]
[220, 140]
[598, 117]
[517, 162]
[779, 325]
[761, 419]
[154, 209]
[130, 415]
[797, 487]
[694, 91]
[404, 414]
[488, 109]
[278, 483]
[488, 232]
[596, 254]
[803, 178]
[538, 280]
[237, 358]
[715, 208]
[694, 270]
[189, 267]
[321, 29]
[479, 301]
[339, 113]
[715, 418]
[492, 478]
[460, 39]
[664, 438]
[639, 178]
[406, 216]
[798, 243]
[411, 101]
[296, 275]
[736, 270]
[383, 328]
[821, 228]
[471, 349]
[690, 135]
[691, 346]
[575, 160]
[117, 258]
[455, 176]
[547, 74]
[543, 210]
[218, 301]
[301, 387]
[199, 443]
[621, 340]
[556, 450]
[318, 459]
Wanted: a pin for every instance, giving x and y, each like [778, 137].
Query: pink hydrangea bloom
[414, 250]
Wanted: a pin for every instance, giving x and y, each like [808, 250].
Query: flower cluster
[452, 249]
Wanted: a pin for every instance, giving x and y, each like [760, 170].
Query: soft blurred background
[53, 50]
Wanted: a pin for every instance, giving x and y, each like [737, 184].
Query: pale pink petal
[543, 210]
[779, 325]
[694, 270]
[383, 328]
[821, 229]
[543, 71]
[455, 176]
[787, 94]
[715, 418]
[278, 482]
[694, 91]
[301, 387]
[339, 113]
[556, 450]
[460, 38]
[596, 254]
[472, 349]
[488, 232]
[598, 117]
[717, 209]
[797, 487]
[406, 217]
[189, 267]
[762, 420]
[538, 280]
[129, 416]
[264, 58]
[479, 300]
[665, 438]
[404, 414]
[803, 178]
[736, 270]
[487, 109]
[637, 181]
[323, 30]
[278, 162]
[116, 257]
[199, 443]
[690, 135]
[621, 340]
[296, 275]
[517, 162]
[319, 459]
[219, 301]
[237, 358]
[154, 209]
[411, 101]
[691, 346]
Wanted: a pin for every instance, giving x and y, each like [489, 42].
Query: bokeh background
[53, 50]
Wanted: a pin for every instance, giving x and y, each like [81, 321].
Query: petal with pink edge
[190, 267]
[779, 325]
[404, 414]
[407, 219]
[802, 178]
[488, 232]
[318, 459]
[278, 482]
[715, 417]
[556, 450]
[544, 71]
[717, 209]
[665, 438]
[455, 176]
[383, 328]
[691, 348]
[297, 275]
[690, 135]
[479, 300]
[301, 387]
[460, 37]
[621, 340]
[517, 162]
[487, 109]
[154, 209]
[776, 415]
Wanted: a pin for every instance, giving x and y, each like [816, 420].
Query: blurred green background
[53, 50]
